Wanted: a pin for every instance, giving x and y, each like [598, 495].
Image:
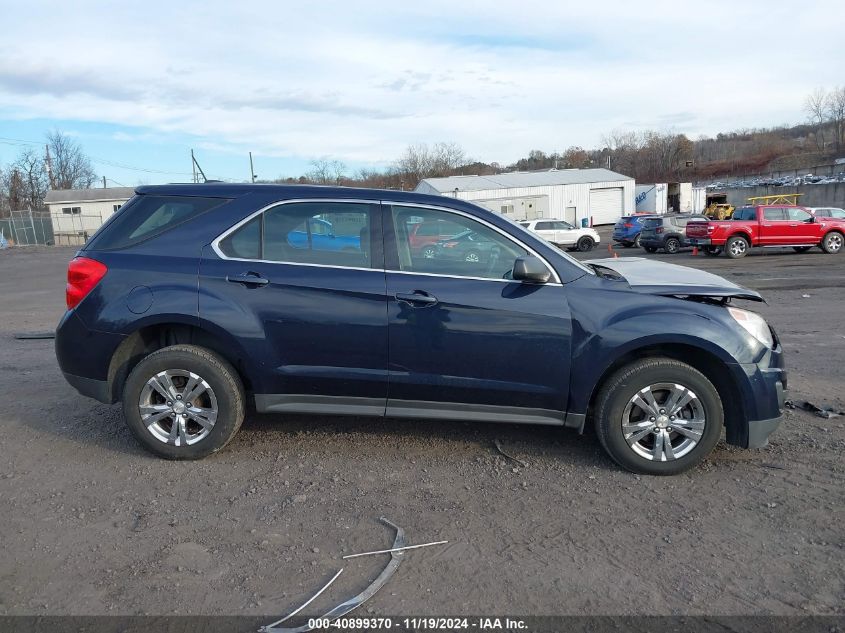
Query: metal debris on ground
[356, 601]
[269, 627]
[508, 455]
[395, 549]
[32, 336]
[822, 412]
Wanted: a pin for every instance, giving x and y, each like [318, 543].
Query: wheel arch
[157, 335]
[705, 361]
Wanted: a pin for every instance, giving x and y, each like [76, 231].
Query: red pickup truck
[767, 226]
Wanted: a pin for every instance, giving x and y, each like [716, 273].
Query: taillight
[659, 229]
[711, 228]
[628, 225]
[82, 275]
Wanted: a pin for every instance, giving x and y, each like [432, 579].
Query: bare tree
[71, 168]
[419, 162]
[815, 106]
[326, 172]
[836, 115]
[31, 183]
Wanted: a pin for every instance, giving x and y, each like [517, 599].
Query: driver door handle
[418, 298]
[248, 279]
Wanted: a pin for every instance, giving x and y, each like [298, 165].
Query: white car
[563, 234]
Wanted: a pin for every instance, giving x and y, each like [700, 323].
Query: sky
[140, 84]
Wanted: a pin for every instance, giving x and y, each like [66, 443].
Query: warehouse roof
[56, 196]
[523, 179]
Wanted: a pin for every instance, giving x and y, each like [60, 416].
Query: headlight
[754, 324]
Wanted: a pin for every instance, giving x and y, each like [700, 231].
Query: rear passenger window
[774, 215]
[145, 216]
[325, 233]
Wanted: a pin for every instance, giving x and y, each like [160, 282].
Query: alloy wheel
[178, 407]
[663, 422]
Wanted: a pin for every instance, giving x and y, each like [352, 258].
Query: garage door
[606, 205]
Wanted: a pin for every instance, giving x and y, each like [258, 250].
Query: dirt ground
[92, 524]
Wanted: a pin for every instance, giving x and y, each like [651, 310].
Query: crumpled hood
[659, 278]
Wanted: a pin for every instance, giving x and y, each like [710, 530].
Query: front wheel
[736, 247]
[658, 416]
[183, 402]
[832, 243]
[586, 244]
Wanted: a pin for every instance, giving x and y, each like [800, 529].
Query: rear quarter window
[148, 216]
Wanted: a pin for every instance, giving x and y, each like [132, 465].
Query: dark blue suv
[195, 301]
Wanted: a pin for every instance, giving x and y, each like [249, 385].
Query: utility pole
[104, 182]
[49, 167]
[251, 169]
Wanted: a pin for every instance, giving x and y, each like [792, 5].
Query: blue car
[627, 230]
[194, 302]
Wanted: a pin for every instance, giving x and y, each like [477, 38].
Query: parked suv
[193, 302]
[564, 234]
[667, 232]
[627, 229]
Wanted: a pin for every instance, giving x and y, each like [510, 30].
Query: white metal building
[598, 195]
[77, 213]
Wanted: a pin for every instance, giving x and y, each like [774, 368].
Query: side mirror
[530, 269]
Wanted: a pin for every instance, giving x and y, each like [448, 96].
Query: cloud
[360, 81]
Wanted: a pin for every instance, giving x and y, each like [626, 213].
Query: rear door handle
[417, 298]
[248, 279]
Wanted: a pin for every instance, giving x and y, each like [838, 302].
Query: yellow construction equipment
[719, 211]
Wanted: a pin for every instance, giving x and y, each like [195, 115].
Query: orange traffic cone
[615, 255]
[694, 251]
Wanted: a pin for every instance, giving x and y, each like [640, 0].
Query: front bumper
[763, 389]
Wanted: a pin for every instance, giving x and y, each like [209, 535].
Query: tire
[586, 244]
[637, 240]
[832, 242]
[472, 257]
[650, 249]
[736, 247]
[672, 245]
[221, 401]
[801, 249]
[615, 407]
[428, 252]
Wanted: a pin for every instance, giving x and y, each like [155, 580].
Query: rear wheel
[736, 247]
[183, 402]
[637, 241]
[586, 244]
[832, 243]
[658, 416]
[672, 245]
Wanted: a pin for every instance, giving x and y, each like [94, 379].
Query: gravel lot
[92, 524]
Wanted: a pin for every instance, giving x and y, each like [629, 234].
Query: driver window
[798, 215]
[473, 250]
